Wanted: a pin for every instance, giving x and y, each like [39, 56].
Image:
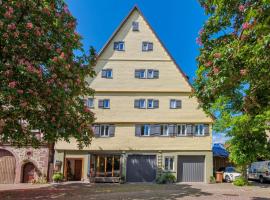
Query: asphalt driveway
[78, 191]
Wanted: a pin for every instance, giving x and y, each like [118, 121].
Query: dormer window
[119, 46]
[135, 26]
[147, 46]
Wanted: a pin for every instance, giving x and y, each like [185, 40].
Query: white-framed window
[107, 73]
[199, 129]
[142, 74]
[145, 130]
[150, 103]
[135, 26]
[90, 102]
[119, 46]
[142, 103]
[147, 46]
[175, 104]
[104, 130]
[164, 129]
[169, 161]
[150, 73]
[181, 129]
[106, 103]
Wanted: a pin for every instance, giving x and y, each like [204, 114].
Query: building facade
[146, 121]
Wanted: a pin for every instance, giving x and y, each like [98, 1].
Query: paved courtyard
[78, 191]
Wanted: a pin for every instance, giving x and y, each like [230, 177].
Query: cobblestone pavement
[78, 191]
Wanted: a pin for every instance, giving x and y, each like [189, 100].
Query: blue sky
[177, 23]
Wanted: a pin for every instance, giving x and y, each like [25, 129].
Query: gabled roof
[123, 22]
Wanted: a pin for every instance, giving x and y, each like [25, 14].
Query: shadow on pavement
[80, 191]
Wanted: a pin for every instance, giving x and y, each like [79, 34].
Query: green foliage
[42, 78]
[212, 179]
[165, 178]
[233, 74]
[58, 177]
[241, 181]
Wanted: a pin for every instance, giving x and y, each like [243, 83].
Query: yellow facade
[124, 88]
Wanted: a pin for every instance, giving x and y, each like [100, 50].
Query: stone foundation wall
[39, 157]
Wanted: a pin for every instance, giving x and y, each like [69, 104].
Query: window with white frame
[142, 103]
[181, 130]
[150, 103]
[169, 163]
[142, 74]
[150, 73]
[104, 103]
[119, 46]
[145, 130]
[107, 73]
[104, 131]
[164, 130]
[90, 102]
[147, 46]
[135, 26]
[199, 129]
[175, 104]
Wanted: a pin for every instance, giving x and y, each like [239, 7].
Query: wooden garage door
[141, 168]
[190, 169]
[7, 167]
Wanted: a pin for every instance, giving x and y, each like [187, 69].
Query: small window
[90, 102]
[104, 131]
[164, 130]
[135, 26]
[145, 130]
[174, 104]
[181, 130]
[107, 73]
[169, 163]
[142, 74]
[199, 129]
[150, 103]
[147, 46]
[119, 46]
[142, 103]
[104, 103]
[150, 73]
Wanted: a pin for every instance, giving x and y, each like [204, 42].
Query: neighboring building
[220, 157]
[23, 165]
[147, 123]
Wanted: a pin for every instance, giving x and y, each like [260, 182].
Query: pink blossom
[11, 26]
[62, 55]
[16, 34]
[23, 104]
[66, 9]
[8, 15]
[29, 25]
[5, 35]
[208, 64]
[243, 72]
[26, 34]
[38, 33]
[30, 68]
[217, 55]
[199, 41]
[245, 26]
[216, 70]
[241, 8]
[12, 84]
[10, 10]
[86, 109]
[8, 73]
[30, 91]
[78, 81]
[20, 91]
[201, 31]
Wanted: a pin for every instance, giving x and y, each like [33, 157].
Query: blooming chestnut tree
[233, 76]
[42, 80]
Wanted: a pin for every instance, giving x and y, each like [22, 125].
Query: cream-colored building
[146, 122]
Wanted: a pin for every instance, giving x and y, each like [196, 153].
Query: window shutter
[96, 130]
[189, 129]
[136, 103]
[152, 130]
[157, 129]
[156, 103]
[100, 103]
[178, 104]
[104, 73]
[115, 45]
[138, 130]
[206, 129]
[156, 74]
[111, 130]
[137, 73]
[150, 46]
[171, 130]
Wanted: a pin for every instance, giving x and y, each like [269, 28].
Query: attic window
[135, 26]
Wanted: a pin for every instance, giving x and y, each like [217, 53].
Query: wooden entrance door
[28, 172]
[78, 170]
[7, 167]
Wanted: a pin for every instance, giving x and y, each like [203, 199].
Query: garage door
[190, 169]
[141, 168]
[7, 167]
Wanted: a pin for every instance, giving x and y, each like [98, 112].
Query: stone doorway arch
[7, 167]
[28, 172]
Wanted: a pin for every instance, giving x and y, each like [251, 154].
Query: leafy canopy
[233, 76]
[41, 78]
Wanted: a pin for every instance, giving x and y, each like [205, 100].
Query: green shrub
[241, 181]
[212, 179]
[57, 177]
[165, 178]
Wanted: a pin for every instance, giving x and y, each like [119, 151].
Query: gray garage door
[190, 169]
[141, 168]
